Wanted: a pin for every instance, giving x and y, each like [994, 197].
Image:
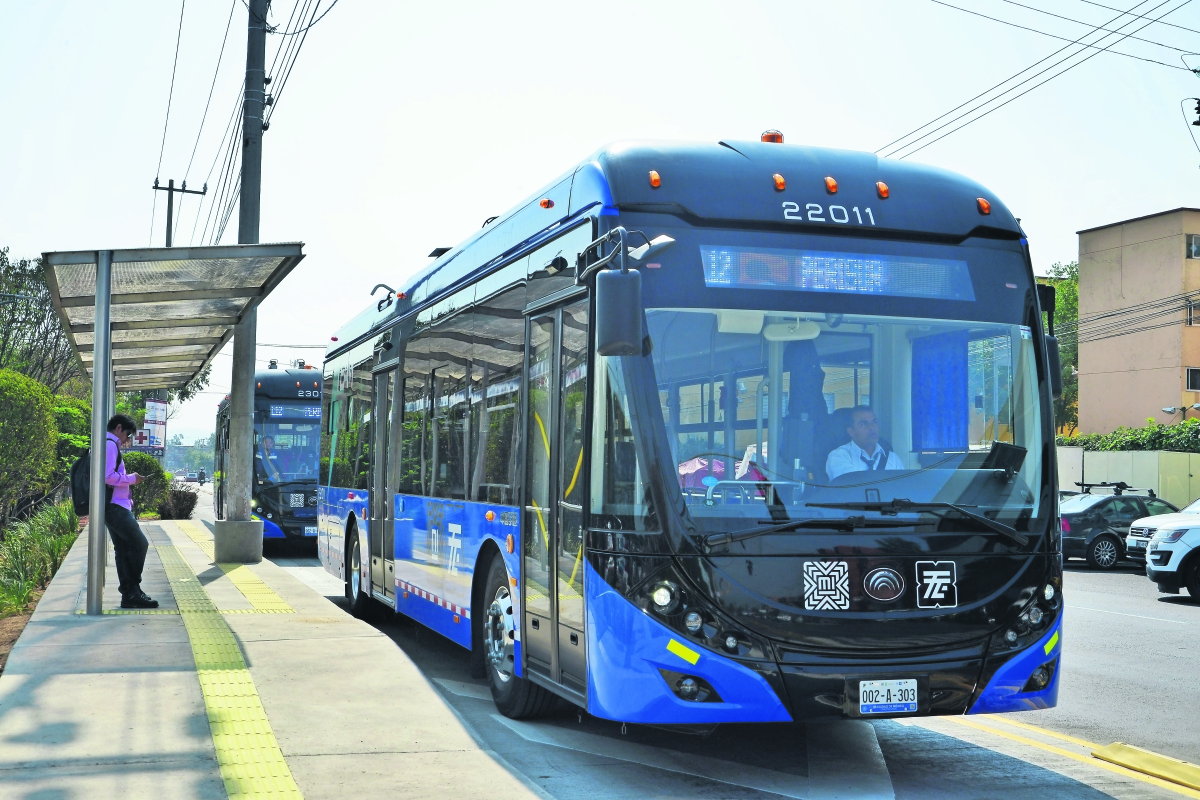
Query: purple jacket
[115, 475]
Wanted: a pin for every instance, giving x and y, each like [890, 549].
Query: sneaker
[139, 600]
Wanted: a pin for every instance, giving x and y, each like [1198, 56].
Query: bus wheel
[354, 593]
[516, 698]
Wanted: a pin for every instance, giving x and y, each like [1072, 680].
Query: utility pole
[171, 192]
[238, 538]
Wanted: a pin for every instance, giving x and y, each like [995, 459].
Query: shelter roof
[172, 308]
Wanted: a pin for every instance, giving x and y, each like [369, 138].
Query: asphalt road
[1130, 674]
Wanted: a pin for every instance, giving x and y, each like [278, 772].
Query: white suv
[1171, 544]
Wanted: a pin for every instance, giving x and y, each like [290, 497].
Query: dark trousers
[129, 546]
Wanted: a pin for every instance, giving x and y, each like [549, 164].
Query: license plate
[310, 530]
[887, 697]
[1136, 545]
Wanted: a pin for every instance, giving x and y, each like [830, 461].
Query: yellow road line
[1095, 762]
[251, 763]
[1151, 763]
[1042, 731]
[261, 596]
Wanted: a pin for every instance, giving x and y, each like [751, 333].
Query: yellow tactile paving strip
[249, 757]
[262, 597]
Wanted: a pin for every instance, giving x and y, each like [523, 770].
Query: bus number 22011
[814, 212]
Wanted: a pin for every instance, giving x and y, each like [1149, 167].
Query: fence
[1175, 477]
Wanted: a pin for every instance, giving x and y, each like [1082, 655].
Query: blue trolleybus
[706, 433]
[287, 435]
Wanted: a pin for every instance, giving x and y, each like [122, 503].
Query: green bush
[152, 490]
[31, 553]
[73, 418]
[28, 439]
[179, 503]
[1182, 437]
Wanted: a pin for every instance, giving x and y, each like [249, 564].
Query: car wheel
[1191, 578]
[354, 593]
[516, 698]
[1104, 552]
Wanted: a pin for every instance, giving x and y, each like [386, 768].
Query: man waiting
[129, 543]
[863, 452]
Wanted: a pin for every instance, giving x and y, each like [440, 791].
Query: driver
[863, 452]
[267, 466]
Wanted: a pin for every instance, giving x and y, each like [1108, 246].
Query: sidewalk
[245, 683]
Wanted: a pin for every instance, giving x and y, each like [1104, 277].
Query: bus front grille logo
[826, 586]
[937, 584]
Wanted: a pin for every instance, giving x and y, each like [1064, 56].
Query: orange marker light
[984, 206]
[780, 183]
[774, 137]
[259, 386]
[509, 544]
[882, 188]
[314, 384]
[655, 180]
[546, 202]
[297, 384]
[456, 619]
[831, 185]
[490, 516]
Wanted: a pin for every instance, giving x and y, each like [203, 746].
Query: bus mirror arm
[618, 322]
[387, 301]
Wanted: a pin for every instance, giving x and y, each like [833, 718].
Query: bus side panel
[334, 507]
[437, 546]
[628, 652]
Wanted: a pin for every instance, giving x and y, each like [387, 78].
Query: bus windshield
[761, 413]
[285, 450]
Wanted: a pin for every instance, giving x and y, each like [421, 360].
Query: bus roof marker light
[830, 185]
[655, 179]
[780, 183]
[882, 189]
[985, 207]
[772, 137]
[546, 202]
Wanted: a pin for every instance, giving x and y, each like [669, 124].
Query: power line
[167, 120]
[1189, 125]
[1088, 24]
[314, 22]
[207, 103]
[998, 85]
[1139, 16]
[1031, 88]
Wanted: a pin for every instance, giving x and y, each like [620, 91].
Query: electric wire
[997, 86]
[1025, 92]
[1189, 125]
[167, 120]
[1088, 24]
[208, 102]
[230, 130]
[305, 29]
[1063, 38]
[1139, 16]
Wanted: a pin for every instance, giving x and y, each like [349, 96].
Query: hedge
[1183, 437]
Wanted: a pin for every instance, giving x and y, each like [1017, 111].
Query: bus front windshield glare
[766, 413]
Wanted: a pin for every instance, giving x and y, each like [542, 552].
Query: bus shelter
[153, 318]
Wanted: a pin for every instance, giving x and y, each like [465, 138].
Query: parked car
[1095, 526]
[1174, 557]
[1143, 530]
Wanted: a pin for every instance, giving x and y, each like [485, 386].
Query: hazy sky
[403, 125]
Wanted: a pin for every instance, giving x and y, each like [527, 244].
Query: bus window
[414, 436]
[496, 389]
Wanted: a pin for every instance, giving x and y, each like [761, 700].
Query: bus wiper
[899, 504]
[832, 524]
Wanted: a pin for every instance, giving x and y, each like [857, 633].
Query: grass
[31, 552]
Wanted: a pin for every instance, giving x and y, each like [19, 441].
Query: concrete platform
[112, 706]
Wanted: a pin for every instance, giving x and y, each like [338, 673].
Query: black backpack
[81, 483]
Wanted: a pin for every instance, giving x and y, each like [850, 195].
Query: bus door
[382, 492]
[555, 429]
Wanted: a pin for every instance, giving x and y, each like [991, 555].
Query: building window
[1193, 245]
[1193, 379]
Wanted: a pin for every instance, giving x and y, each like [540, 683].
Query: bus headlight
[663, 596]
[693, 621]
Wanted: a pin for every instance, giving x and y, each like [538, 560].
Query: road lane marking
[1036, 729]
[1120, 614]
[1085, 759]
[842, 769]
[251, 763]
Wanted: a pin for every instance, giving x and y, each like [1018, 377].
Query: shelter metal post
[101, 398]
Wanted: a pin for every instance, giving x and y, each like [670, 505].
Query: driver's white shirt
[849, 458]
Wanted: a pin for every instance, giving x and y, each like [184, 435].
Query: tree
[32, 339]
[1065, 280]
[28, 439]
[73, 419]
[153, 487]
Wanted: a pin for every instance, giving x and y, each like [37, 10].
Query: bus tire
[358, 599]
[515, 698]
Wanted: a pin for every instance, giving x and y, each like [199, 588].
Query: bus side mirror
[618, 312]
[1056, 383]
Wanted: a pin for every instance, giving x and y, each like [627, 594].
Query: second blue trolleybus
[287, 431]
[705, 433]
